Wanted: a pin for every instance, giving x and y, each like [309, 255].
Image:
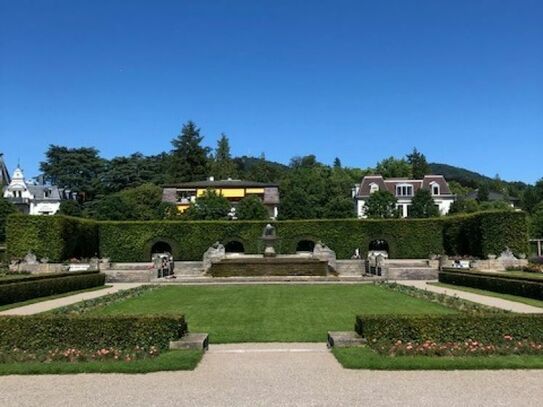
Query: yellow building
[183, 194]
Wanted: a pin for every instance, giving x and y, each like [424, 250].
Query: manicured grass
[51, 297]
[516, 298]
[173, 360]
[366, 358]
[272, 313]
[524, 274]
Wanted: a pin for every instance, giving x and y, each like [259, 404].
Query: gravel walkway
[482, 299]
[277, 375]
[68, 300]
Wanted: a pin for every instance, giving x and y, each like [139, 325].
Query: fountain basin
[269, 266]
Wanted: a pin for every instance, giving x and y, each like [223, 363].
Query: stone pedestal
[193, 341]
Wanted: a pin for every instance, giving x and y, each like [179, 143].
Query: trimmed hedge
[489, 328]
[54, 237]
[500, 283]
[476, 234]
[45, 332]
[22, 289]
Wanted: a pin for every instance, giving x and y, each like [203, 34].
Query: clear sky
[460, 80]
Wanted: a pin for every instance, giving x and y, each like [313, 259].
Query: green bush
[489, 328]
[58, 238]
[22, 289]
[54, 237]
[514, 285]
[44, 332]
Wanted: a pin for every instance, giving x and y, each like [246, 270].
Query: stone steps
[267, 279]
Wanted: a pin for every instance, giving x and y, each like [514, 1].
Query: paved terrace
[277, 375]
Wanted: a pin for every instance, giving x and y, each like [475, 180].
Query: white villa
[35, 199]
[404, 189]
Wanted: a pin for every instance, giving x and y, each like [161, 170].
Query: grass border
[365, 358]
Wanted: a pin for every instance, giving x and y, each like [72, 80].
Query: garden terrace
[59, 238]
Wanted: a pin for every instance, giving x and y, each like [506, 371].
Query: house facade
[404, 190]
[34, 199]
[183, 194]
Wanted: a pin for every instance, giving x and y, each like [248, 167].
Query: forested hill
[461, 175]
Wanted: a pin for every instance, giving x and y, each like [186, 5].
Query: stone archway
[305, 245]
[234, 246]
[161, 247]
[379, 245]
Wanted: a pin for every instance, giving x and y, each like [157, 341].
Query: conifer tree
[189, 159]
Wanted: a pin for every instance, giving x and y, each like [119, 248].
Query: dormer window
[373, 188]
[47, 193]
[404, 190]
[435, 188]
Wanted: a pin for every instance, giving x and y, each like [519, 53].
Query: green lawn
[516, 298]
[366, 358]
[173, 360]
[50, 297]
[272, 313]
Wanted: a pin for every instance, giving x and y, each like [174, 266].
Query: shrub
[514, 285]
[490, 328]
[22, 289]
[43, 332]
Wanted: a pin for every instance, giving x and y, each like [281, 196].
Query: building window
[435, 189]
[404, 190]
[184, 196]
[373, 188]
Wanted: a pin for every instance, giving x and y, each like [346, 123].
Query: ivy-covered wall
[59, 238]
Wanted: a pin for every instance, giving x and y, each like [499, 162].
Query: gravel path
[482, 299]
[277, 375]
[68, 300]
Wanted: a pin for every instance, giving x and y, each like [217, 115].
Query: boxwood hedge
[476, 234]
[45, 332]
[514, 285]
[22, 289]
[488, 328]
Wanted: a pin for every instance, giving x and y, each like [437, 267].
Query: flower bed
[72, 355]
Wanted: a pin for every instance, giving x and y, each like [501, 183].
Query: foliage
[394, 168]
[483, 192]
[381, 204]
[423, 205]
[133, 171]
[514, 285]
[189, 160]
[495, 206]
[419, 165]
[536, 222]
[23, 289]
[464, 205]
[78, 169]
[140, 203]
[6, 209]
[70, 207]
[210, 206]
[251, 208]
[44, 332]
[222, 166]
[295, 205]
[458, 189]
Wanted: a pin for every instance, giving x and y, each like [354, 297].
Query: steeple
[5, 179]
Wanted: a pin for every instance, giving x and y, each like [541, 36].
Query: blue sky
[460, 80]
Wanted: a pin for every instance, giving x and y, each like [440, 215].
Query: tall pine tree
[223, 166]
[189, 159]
[419, 165]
